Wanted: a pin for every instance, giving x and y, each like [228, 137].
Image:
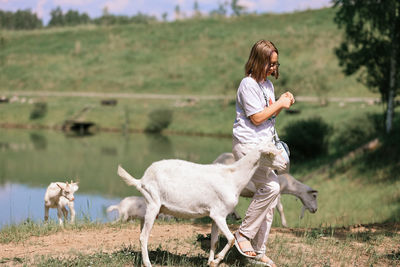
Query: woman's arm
[285, 101]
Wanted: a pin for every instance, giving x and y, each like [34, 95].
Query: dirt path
[174, 238]
[354, 245]
[71, 242]
[369, 100]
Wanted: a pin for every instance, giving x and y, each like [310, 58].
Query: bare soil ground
[70, 242]
[285, 245]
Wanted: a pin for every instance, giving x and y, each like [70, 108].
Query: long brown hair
[260, 57]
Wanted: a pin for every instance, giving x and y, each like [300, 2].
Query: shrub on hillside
[39, 110]
[356, 132]
[159, 119]
[307, 138]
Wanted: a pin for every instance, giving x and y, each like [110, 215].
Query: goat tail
[112, 207]
[129, 180]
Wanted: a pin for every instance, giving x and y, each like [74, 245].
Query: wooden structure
[78, 125]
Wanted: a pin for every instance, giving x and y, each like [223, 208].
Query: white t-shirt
[250, 100]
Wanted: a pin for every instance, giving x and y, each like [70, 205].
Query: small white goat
[288, 185]
[188, 190]
[59, 195]
[131, 208]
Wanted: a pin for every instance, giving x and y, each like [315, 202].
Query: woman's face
[273, 64]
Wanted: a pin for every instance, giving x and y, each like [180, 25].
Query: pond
[31, 160]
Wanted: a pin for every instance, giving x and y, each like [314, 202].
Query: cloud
[116, 5]
[39, 9]
[247, 4]
[72, 2]
[313, 4]
[267, 3]
[282, 5]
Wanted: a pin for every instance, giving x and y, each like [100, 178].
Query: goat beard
[303, 209]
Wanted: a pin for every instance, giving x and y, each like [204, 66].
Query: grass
[213, 117]
[199, 56]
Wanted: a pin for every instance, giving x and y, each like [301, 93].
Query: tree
[164, 16]
[57, 17]
[21, 19]
[371, 46]
[177, 12]
[72, 18]
[221, 10]
[236, 8]
[196, 10]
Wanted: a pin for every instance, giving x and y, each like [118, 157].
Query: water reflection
[159, 144]
[38, 140]
[110, 151]
[31, 160]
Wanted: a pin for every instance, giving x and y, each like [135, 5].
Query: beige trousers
[260, 213]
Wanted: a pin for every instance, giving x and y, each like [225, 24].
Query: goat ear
[75, 187]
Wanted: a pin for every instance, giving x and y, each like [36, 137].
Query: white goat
[130, 208]
[188, 190]
[59, 195]
[288, 185]
[133, 208]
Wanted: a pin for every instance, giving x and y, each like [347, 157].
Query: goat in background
[59, 195]
[288, 185]
[131, 208]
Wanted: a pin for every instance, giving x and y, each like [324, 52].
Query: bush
[307, 138]
[356, 132]
[39, 110]
[159, 119]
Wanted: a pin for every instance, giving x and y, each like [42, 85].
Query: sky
[94, 8]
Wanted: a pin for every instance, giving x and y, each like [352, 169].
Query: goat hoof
[213, 264]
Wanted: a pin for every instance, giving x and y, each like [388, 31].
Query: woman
[256, 110]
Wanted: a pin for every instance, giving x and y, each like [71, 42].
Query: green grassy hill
[195, 56]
